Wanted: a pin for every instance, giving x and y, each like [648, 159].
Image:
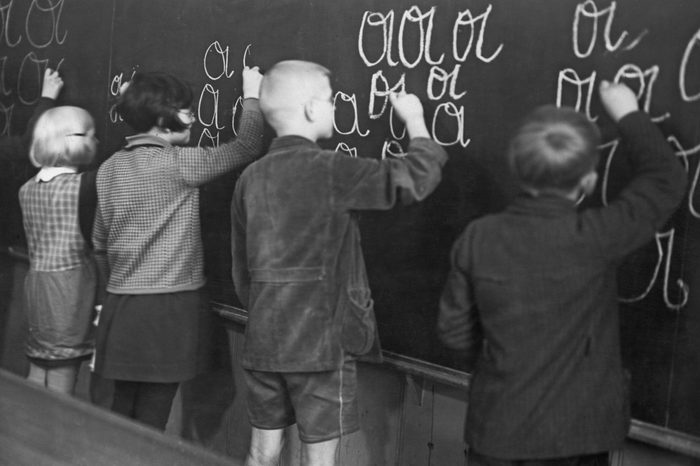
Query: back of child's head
[287, 86]
[63, 137]
[553, 149]
[154, 100]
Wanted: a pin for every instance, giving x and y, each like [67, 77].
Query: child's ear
[588, 182]
[310, 110]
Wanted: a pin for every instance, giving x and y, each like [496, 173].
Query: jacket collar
[546, 205]
[284, 143]
[49, 173]
[144, 139]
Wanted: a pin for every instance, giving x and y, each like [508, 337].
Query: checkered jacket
[50, 218]
[147, 220]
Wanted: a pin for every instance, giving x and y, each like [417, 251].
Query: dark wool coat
[532, 295]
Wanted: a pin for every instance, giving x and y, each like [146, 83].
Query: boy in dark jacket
[532, 294]
[297, 261]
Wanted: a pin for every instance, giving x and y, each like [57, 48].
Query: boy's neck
[310, 135]
[573, 195]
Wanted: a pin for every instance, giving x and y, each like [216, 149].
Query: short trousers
[322, 404]
[54, 363]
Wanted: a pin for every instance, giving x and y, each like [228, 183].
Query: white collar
[49, 173]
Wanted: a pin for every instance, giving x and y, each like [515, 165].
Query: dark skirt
[152, 337]
[59, 307]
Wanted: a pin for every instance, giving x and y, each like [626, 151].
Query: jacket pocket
[358, 325]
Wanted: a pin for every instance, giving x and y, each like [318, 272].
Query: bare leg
[37, 374]
[320, 454]
[265, 447]
[62, 379]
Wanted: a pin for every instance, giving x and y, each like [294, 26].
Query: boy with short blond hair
[298, 266]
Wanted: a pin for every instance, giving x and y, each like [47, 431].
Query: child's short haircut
[154, 99]
[553, 149]
[60, 138]
[285, 84]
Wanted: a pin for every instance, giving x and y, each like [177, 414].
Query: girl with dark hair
[148, 242]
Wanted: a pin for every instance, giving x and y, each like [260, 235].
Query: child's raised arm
[658, 183]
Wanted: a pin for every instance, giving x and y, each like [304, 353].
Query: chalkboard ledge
[416, 367]
[651, 434]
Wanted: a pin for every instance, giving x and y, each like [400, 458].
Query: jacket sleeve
[651, 197]
[458, 325]
[198, 165]
[239, 266]
[363, 183]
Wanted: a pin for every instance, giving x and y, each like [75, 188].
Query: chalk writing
[6, 115]
[684, 154]
[440, 77]
[246, 52]
[608, 150]
[236, 111]
[412, 45]
[380, 91]
[689, 49]
[116, 87]
[206, 138]
[392, 129]
[343, 147]
[392, 148]
[31, 72]
[209, 93]
[5, 16]
[460, 48]
[577, 91]
[386, 21]
[645, 84]
[588, 10]
[37, 25]
[455, 114]
[663, 258]
[339, 101]
[471, 21]
[37, 13]
[583, 89]
[213, 105]
[4, 89]
[220, 58]
[414, 15]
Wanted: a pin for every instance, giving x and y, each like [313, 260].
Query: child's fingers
[394, 96]
[52, 75]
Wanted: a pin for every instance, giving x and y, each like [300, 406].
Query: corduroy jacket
[297, 260]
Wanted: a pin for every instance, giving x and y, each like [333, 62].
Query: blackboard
[35, 35]
[478, 66]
